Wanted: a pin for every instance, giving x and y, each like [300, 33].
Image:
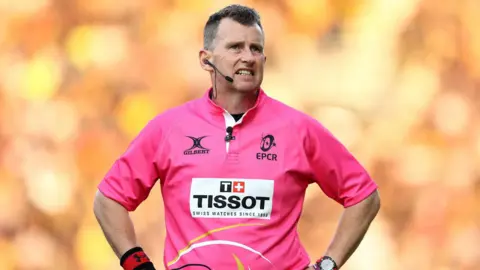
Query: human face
[238, 52]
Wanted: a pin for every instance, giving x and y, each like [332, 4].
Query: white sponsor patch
[231, 198]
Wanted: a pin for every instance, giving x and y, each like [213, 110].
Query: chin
[247, 87]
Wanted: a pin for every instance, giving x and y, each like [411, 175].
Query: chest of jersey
[255, 174]
[253, 152]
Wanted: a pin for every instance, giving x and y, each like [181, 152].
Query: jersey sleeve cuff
[362, 196]
[107, 191]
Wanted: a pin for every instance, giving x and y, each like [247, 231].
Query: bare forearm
[352, 227]
[115, 223]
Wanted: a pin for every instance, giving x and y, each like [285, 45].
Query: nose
[248, 57]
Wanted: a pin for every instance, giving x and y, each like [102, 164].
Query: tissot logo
[231, 198]
[266, 144]
[232, 186]
[197, 148]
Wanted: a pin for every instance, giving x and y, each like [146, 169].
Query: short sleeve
[133, 174]
[334, 168]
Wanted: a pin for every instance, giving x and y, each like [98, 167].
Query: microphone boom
[227, 78]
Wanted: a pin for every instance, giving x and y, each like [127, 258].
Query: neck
[235, 102]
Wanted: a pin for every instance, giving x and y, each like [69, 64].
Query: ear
[203, 57]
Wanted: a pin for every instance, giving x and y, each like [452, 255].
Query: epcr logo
[268, 141]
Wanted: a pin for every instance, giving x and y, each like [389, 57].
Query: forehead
[232, 31]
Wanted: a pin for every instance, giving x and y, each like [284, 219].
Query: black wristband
[136, 259]
[146, 266]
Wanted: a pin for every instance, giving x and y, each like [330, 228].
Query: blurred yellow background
[397, 81]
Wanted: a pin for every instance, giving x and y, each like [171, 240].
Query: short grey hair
[241, 14]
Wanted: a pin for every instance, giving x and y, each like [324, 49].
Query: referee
[233, 168]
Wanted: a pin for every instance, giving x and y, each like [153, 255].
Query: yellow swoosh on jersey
[210, 233]
[239, 263]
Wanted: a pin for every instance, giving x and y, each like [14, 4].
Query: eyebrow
[243, 43]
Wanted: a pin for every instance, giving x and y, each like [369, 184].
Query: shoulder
[176, 114]
[164, 122]
[302, 127]
[293, 116]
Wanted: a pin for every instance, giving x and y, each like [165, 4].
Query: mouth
[245, 72]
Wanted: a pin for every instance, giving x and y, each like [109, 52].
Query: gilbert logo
[231, 198]
[197, 147]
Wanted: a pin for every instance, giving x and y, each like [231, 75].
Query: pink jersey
[235, 204]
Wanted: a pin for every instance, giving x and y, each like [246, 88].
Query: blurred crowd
[396, 81]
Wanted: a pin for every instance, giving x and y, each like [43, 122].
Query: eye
[235, 47]
[257, 49]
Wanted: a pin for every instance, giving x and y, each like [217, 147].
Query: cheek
[261, 66]
[261, 61]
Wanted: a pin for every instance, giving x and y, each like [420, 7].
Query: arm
[352, 228]
[342, 178]
[115, 223]
[126, 185]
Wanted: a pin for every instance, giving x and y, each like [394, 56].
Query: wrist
[136, 259]
[326, 263]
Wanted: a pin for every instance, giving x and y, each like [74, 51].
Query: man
[233, 167]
